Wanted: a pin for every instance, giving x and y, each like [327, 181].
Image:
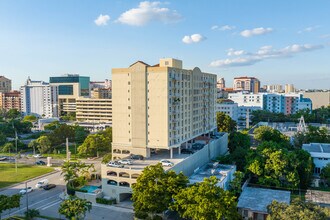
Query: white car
[42, 183]
[115, 164]
[37, 156]
[167, 163]
[26, 190]
[125, 161]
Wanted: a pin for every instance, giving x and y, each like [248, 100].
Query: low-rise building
[101, 93]
[94, 110]
[319, 98]
[320, 154]
[253, 202]
[228, 107]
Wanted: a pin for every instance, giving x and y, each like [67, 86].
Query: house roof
[257, 199]
[317, 147]
[139, 62]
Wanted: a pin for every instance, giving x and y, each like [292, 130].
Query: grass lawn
[24, 172]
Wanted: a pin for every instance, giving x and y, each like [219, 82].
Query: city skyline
[275, 42]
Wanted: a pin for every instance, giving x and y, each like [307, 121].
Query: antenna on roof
[302, 126]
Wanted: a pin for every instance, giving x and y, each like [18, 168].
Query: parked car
[115, 164]
[26, 190]
[187, 151]
[125, 161]
[42, 183]
[40, 162]
[49, 186]
[37, 156]
[167, 163]
[137, 157]
[3, 158]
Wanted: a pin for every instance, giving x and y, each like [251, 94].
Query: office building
[10, 100]
[101, 93]
[5, 84]
[289, 88]
[94, 110]
[39, 98]
[70, 87]
[160, 106]
[245, 83]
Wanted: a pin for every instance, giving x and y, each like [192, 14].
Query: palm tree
[74, 171]
[75, 208]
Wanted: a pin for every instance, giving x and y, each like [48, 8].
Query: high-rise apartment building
[246, 83]
[101, 93]
[70, 87]
[289, 88]
[39, 98]
[221, 84]
[10, 100]
[160, 107]
[274, 88]
[5, 84]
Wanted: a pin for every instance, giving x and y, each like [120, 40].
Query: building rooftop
[317, 147]
[220, 171]
[257, 199]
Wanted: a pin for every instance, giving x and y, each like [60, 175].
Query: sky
[278, 42]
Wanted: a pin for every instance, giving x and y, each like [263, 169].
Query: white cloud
[256, 31]
[147, 12]
[102, 20]
[263, 53]
[195, 38]
[309, 29]
[232, 52]
[223, 28]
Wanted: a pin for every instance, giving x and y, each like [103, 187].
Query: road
[48, 202]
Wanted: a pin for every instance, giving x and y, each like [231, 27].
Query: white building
[247, 99]
[320, 154]
[229, 108]
[39, 98]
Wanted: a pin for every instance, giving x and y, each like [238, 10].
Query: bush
[141, 215]
[31, 213]
[106, 158]
[105, 201]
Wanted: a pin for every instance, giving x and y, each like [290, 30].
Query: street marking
[52, 204]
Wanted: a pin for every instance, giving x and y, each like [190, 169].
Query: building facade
[70, 87]
[5, 84]
[245, 83]
[247, 99]
[320, 153]
[10, 100]
[274, 88]
[228, 107]
[94, 110]
[160, 106]
[101, 93]
[289, 88]
[221, 84]
[319, 98]
[106, 84]
[39, 98]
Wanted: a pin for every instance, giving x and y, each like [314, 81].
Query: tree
[297, 210]
[236, 183]
[325, 173]
[96, 143]
[59, 135]
[52, 126]
[80, 134]
[9, 202]
[8, 147]
[204, 201]
[30, 118]
[238, 139]
[313, 135]
[225, 123]
[33, 144]
[44, 144]
[76, 173]
[266, 133]
[75, 208]
[13, 114]
[155, 188]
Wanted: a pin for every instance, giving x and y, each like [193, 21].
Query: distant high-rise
[289, 88]
[246, 83]
[39, 98]
[221, 84]
[70, 87]
[274, 88]
[5, 84]
[10, 100]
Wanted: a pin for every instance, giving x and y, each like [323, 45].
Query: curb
[34, 178]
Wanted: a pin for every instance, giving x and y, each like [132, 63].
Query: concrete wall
[89, 196]
[214, 149]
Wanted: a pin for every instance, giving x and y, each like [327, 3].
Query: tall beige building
[289, 88]
[94, 110]
[5, 84]
[246, 83]
[160, 107]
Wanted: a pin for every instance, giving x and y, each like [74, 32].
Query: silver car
[125, 161]
[115, 164]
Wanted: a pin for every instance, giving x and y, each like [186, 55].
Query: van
[42, 183]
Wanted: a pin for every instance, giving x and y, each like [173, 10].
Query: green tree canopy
[297, 210]
[225, 123]
[43, 144]
[325, 173]
[75, 173]
[266, 133]
[238, 139]
[13, 114]
[96, 143]
[205, 201]
[75, 208]
[155, 188]
[52, 126]
[8, 147]
[30, 118]
[236, 183]
[313, 135]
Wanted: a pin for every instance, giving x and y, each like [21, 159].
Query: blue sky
[277, 41]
